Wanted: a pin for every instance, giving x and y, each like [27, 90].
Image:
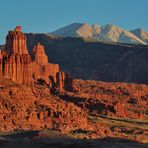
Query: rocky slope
[95, 60]
[34, 108]
[94, 110]
[109, 33]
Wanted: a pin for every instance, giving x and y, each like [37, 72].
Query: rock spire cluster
[17, 65]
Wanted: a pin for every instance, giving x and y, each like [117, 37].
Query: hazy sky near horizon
[49, 15]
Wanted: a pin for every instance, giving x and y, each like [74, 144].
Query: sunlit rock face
[40, 55]
[17, 65]
[16, 42]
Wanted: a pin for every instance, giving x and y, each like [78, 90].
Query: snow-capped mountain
[114, 33]
[141, 34]
[75, 30]
[109, 33]
[96, 29]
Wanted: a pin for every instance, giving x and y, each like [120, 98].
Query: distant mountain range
[106, 33]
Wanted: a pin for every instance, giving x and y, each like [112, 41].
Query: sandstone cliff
[17, 65]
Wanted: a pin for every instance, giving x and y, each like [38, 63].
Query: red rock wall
[18, 68]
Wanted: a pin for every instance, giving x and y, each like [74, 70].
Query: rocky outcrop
[17, 65]
[122, 100]
[39, 54]
[41, 68]
[49, 72]
[34, 108]
[96, 110]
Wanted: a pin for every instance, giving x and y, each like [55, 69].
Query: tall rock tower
[17, 64]
[39, 54]
[16, 42]
[42, 69]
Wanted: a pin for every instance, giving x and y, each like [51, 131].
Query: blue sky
[48, 15]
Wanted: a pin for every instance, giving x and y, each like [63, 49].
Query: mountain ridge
[107, 32]
[143, 35]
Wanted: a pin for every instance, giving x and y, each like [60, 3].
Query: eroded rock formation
[16, 42]
[17, 64]
[40, 56]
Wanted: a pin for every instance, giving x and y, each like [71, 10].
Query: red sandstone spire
[40, 55]
[16, 42]
[18, 28]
